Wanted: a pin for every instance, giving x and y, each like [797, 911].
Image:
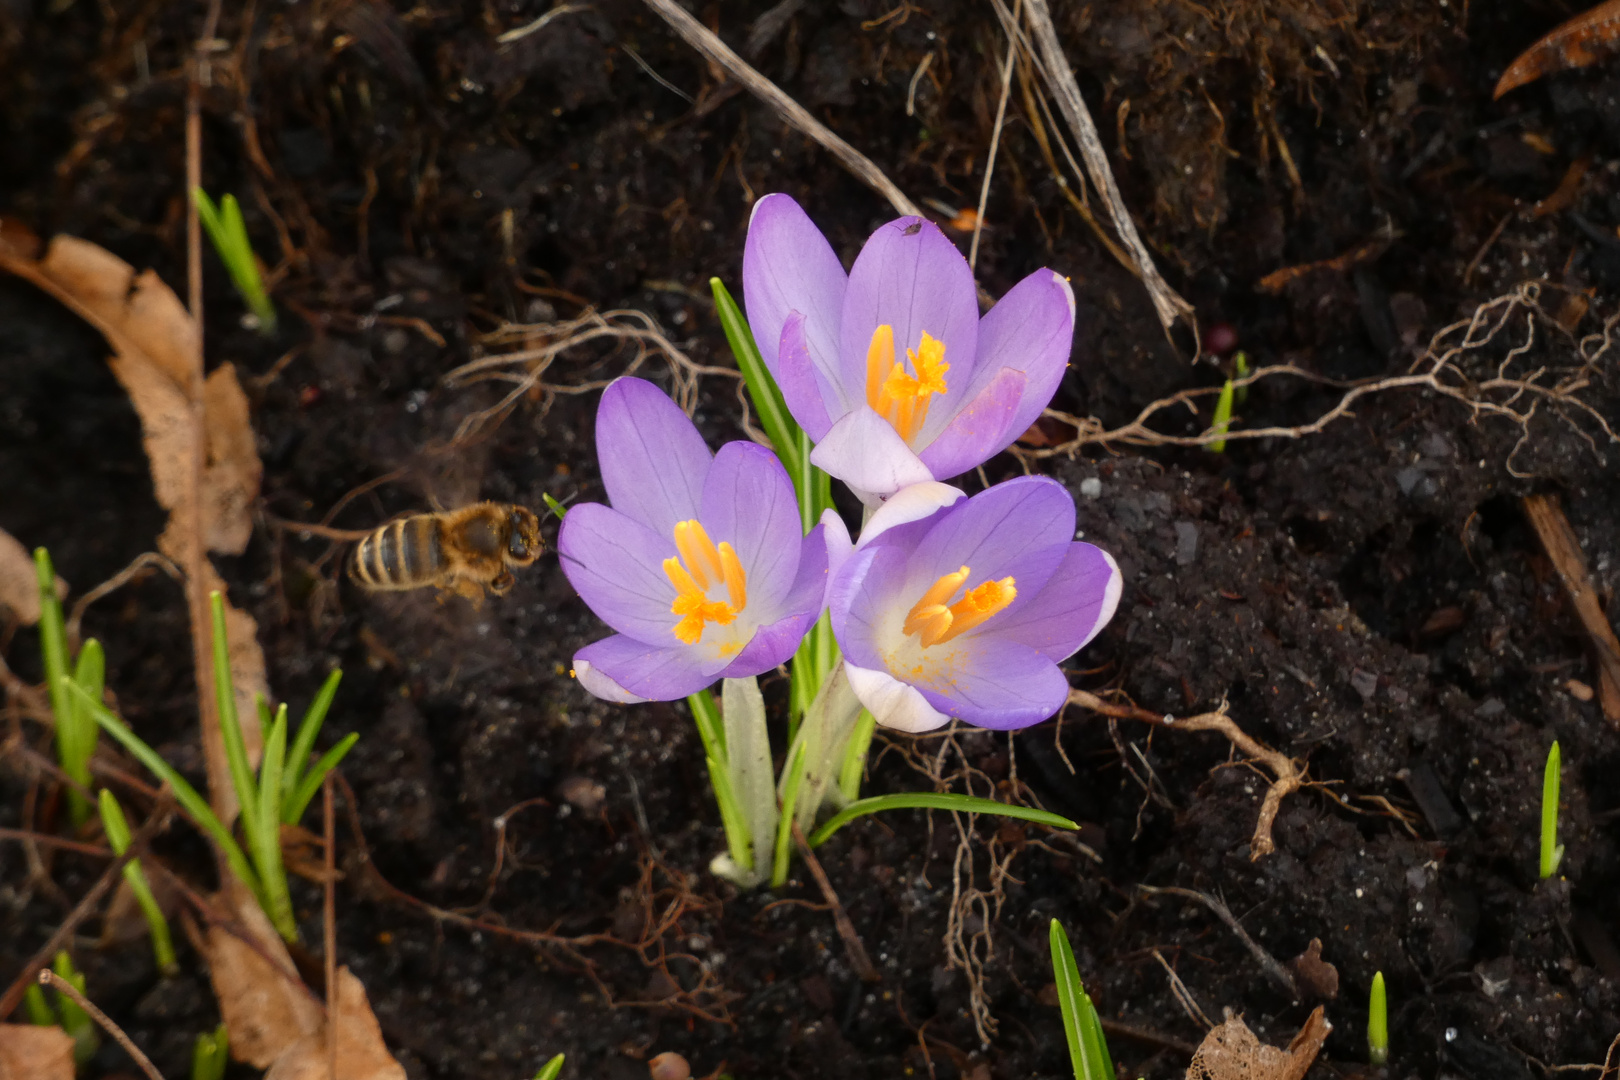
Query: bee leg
[468, 588]
[502, 582]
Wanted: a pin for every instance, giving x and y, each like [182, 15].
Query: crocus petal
[913, 503]
[809, 589]
[839, 545]
[865, 589]
[748, 501]
[615, 563]
[619, 668]
[788, 266]
[804, 389]
[995, 528]
[1000, 684]
[893, 703]
[653, 460]
[1077, 602]
[865, 452]
[1030, 330]
[981, 430]
[911, 277]
[771, 645]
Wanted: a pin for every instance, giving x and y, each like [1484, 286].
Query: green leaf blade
[926, 800]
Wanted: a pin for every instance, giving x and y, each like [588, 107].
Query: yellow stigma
[936, 622]
[705, 564]
[898, 395]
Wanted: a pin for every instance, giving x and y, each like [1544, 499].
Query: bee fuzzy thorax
[464, 551]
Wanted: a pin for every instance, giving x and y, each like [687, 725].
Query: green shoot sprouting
[1088, 1050]
[1240, 370]
[1223, 418]
[75, 1021]
[76, 732]
[118, 835]
[278, 795]
[1552, 852]
[551, 1069]
[229, 234]
[557, 509]
[1377, 1022]
[211, 1054]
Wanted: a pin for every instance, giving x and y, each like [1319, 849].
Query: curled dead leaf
[19, 586]
[35, 1053]
[265, 1006]
[1577, 42]
[361, 1053]
[1232, 1052]
[155, 346]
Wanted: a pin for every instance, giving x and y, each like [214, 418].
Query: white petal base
[892, 702]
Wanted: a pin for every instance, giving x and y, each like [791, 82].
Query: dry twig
[1289, 777]
[1059, 77]
[718, 52]
[1562, 547]
[49, 978]
[858, 959]
[1279, 974]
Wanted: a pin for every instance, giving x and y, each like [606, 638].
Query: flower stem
[823, 739]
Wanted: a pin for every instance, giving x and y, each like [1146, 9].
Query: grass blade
[551, 1069]
[1552, 852]
[1377, 1022]
[1088, 1050]
[292, 809]
[229, 726]
[793, 772]
[308, 729]
[195, 806]
[930, 800]
[762, 389]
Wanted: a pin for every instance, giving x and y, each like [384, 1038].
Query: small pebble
[1578, 690]
[1090, 488]
[582, 792]
[669, 1066]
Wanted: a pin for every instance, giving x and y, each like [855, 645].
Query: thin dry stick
[329, 922]
[995, 137]
[62, 986]
[81, 911]
[1060, 79]
[220, 793]
[1183, 996]
[858, 959]
[1289, 777]
[118, 581]
[1279, 974]
[704, 41]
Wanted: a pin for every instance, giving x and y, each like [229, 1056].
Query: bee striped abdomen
[404, 554]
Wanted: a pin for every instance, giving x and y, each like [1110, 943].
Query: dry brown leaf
[361, 1052]
[155, 345]
[265, 1006]
[1232, 1052]
[19, 586]
[35, 1053]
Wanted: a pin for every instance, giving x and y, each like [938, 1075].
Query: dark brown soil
[1368, 599]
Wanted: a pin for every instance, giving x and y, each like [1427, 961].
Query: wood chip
[35, 1053]
[1564, 550]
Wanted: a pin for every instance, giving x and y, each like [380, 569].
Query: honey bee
[462, 551]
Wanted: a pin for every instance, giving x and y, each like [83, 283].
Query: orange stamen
[935, 623]
[896, 394]
[705, 564]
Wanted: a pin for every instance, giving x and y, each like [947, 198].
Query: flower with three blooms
[700, 563]
[961, 607]
[890, 369]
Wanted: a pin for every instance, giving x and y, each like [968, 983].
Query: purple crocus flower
[890, 370]
[700, 563]
[957, 607]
